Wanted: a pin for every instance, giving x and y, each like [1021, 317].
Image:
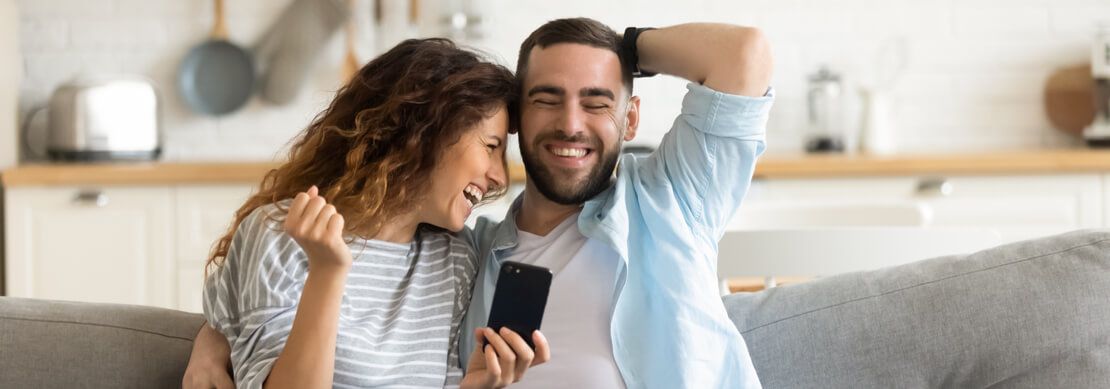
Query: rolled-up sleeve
[708, 157]
[251, 298]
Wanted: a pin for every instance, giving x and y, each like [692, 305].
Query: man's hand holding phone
[503, 359]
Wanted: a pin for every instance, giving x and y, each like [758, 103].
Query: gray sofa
[1033, 314]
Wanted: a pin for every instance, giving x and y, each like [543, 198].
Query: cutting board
[1069, 99]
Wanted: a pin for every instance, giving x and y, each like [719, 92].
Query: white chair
[826, 251]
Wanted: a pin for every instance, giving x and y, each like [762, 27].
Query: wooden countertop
[153, 173]
[1016, 162]
[772, 166]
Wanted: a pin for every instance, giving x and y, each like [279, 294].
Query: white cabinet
[90, 244]
[1018, 207]
[1106, 200]
[203, 215]
[129, 245]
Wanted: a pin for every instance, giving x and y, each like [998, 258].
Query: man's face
[575, 116]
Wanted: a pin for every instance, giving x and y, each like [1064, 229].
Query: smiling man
[632, 241]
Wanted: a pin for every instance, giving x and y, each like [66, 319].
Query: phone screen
[520, 298]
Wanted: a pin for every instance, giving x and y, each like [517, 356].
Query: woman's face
[469, 169]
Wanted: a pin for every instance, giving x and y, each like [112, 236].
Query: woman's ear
[633, 118]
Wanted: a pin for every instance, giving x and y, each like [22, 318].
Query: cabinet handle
[934, 187]
[95, 198]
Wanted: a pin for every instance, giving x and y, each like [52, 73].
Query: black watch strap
[631, 53]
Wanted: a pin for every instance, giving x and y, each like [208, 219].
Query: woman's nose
[497, 175]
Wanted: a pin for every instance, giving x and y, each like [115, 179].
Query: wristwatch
[628, 49]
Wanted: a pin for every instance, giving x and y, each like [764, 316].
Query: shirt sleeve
[251, 298]
[707, 159]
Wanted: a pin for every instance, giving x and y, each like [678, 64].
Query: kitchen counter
[1016, 162]
[772, 166]
[154, 173]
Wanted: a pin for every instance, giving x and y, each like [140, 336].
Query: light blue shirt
[663, 216]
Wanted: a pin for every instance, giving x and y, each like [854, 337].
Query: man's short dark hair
[583, 31]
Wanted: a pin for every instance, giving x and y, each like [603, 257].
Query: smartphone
[520, 298]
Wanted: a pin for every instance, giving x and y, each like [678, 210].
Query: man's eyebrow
[591, 92]
[549, 89]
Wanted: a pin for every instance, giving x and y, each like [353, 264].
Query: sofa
[1031, 314]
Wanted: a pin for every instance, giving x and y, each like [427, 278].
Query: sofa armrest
[55, 344]
[1028, 314]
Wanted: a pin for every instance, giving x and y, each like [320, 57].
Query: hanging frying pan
[217, 76]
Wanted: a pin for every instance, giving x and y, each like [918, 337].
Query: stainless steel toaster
[104, 118]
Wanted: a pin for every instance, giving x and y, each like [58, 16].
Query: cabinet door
[203, 215]
[1018, 207]
[109, 244]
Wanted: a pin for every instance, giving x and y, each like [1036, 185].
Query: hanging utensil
[292, 46]
[217, 76]
[350, 60]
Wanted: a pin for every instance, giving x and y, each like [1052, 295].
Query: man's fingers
[524, 353]
[492, 367]
[505, 355]
[543, 350]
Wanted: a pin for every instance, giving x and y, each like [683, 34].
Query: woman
[342, 271]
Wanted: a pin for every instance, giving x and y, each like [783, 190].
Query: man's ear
[633, 118]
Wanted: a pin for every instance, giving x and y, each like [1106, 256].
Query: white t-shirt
[579, 308]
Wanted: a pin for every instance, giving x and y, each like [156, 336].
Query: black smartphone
[520, 298]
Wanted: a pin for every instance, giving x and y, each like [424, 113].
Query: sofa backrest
[60, 344]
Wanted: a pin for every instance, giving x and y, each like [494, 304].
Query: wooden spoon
[350, 60]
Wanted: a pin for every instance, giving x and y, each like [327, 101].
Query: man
[634, 302]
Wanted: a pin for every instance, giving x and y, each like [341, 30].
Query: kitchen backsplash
[972, 80]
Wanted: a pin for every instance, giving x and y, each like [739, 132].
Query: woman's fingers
[293, 217]
[320, 224]
[335, 225]
[524, 353]
[296, 213]
[308, 218]
[543, 350]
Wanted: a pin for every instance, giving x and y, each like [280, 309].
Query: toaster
[104, 118]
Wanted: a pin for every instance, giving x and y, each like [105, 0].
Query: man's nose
[573, 121]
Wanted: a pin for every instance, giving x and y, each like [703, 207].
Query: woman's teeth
[473, 195]
[568, 152]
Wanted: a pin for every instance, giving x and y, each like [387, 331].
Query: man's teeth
[568, 152]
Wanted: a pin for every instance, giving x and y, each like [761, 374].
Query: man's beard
[597, 180]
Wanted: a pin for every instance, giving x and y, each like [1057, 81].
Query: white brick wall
[973, 81]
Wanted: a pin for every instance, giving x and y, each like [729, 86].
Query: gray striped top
[400, 313]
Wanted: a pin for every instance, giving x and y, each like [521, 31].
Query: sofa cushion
[1029, 314]
[58, 344]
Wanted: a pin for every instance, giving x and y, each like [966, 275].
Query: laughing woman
[342, 270]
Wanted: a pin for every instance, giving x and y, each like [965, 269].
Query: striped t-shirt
[399, 318]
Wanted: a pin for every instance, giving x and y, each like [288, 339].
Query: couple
[346, 268]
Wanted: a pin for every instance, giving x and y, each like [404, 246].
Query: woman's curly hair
[372, 150]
